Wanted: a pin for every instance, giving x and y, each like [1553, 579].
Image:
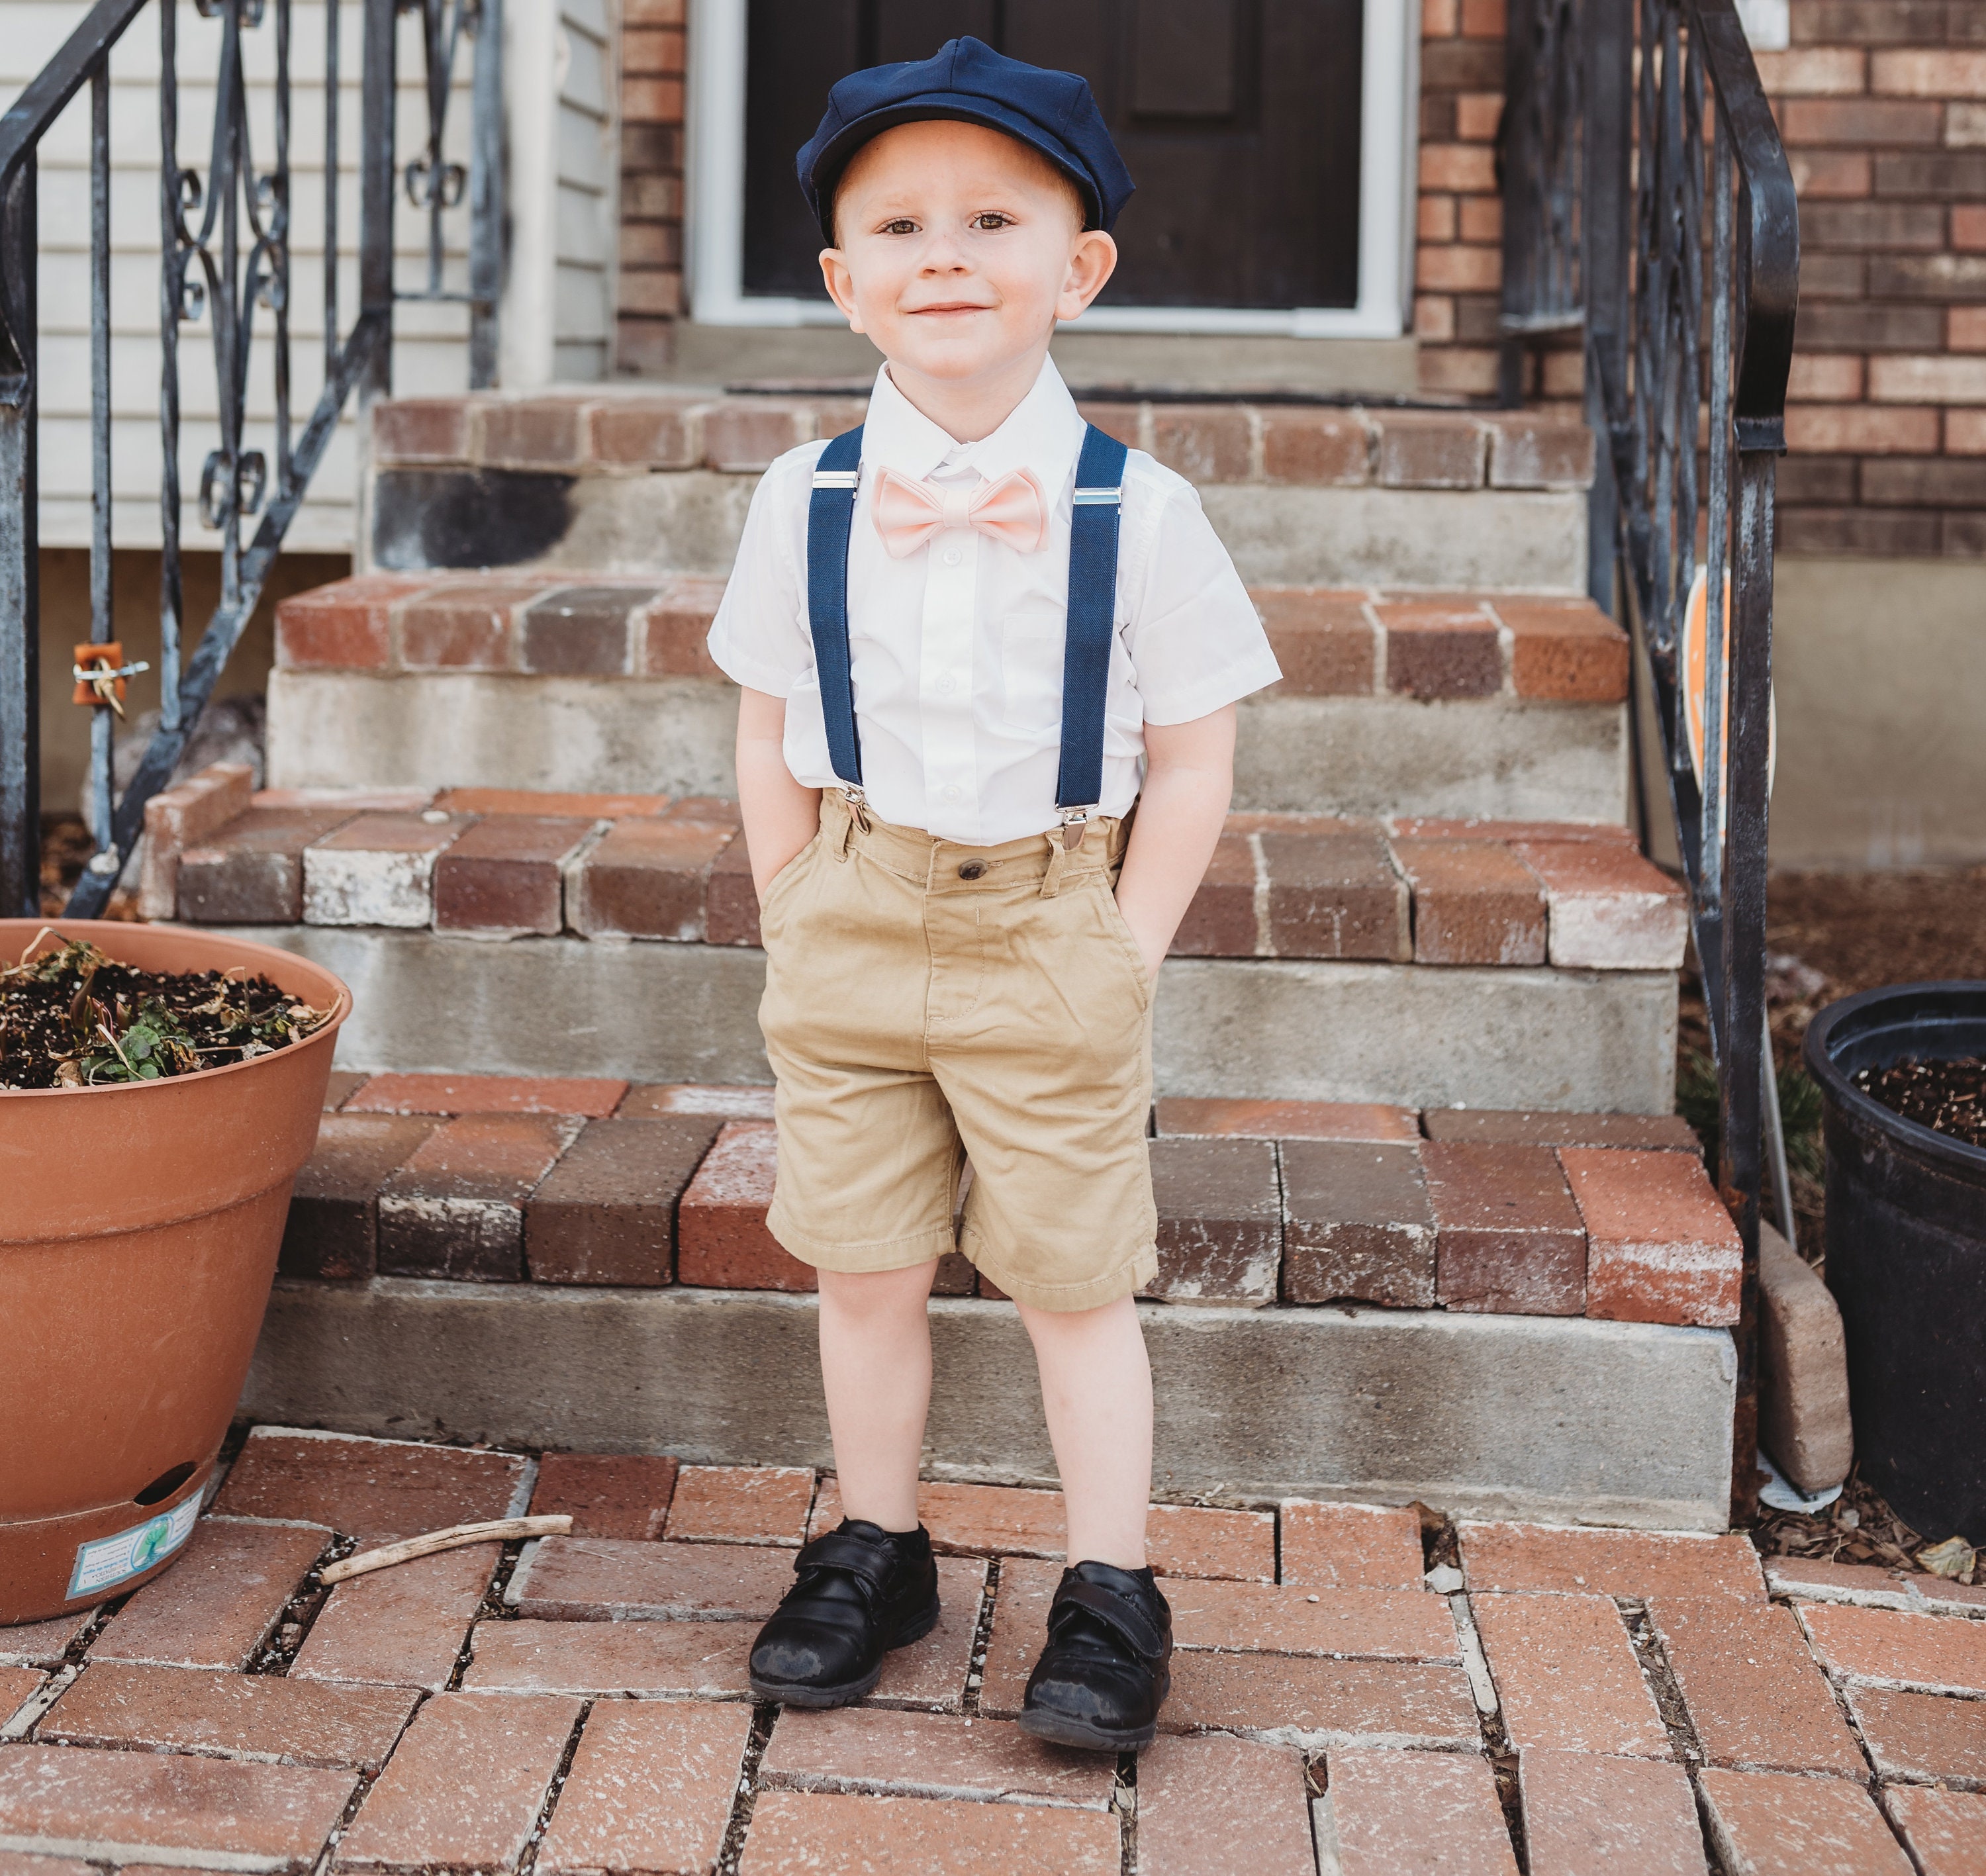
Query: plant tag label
[106, 1561]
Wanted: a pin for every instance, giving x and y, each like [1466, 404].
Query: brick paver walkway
[1351, 1695]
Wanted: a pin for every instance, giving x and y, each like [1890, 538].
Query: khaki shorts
[927, 1002]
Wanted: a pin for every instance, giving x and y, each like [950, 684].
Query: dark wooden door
[1238, 120]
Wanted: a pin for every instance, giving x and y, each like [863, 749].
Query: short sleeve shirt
[957, 649]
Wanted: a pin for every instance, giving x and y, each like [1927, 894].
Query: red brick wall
[1883, 106]
[651, 180]
[1458, 265]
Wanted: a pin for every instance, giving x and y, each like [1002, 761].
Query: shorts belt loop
[1057, 862]
[838, 845]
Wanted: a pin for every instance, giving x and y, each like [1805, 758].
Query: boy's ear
[840, 284]
[1091, 263]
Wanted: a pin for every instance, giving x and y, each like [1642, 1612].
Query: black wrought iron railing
[225, 235]
[1647, 201]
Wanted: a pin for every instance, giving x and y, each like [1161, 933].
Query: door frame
[1389, 117]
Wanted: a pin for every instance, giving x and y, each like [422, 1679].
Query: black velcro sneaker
[1104, 1674]
[861, 1591]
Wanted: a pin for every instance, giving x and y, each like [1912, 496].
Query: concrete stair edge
[1497, 757]
[1556, 1040]
[1527, 1417]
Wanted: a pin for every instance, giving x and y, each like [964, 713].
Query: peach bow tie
[1013, 509]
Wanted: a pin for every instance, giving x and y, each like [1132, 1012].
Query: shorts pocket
[778, 887]
[1031, 660]
[1123, 941]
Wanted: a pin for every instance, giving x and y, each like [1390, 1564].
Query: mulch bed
[1948, 1097]
[73, 1018]
[1859, 1527]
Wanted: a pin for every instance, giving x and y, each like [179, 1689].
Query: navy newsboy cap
[1052, 112]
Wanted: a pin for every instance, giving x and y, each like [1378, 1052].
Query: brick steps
[590, 1180]
[1458, 704]
[1331, 642]
[505, 864]
[1417, 961]
[1356, 1286]
[642, 481]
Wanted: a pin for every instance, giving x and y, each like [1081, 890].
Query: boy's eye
[902, 225]
[993, 218]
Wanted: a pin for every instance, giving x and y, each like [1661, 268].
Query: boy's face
[960, 248]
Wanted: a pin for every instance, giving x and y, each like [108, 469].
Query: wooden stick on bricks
[497, 1530]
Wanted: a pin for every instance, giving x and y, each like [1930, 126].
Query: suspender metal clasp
[1074, 825]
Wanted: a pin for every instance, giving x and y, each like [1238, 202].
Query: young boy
[965, 633]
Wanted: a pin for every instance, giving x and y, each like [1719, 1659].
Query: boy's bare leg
[876, 1367]
[1096, 1388]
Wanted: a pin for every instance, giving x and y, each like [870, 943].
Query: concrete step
[709, 358]
[1405, 1033]
[646, 482]
[1512, 1297]
[1484, 1416]
[1483, 964]
[1511, 705]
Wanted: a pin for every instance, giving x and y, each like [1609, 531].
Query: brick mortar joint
[1659, 1676]
[527, 1860]
[745, 1793]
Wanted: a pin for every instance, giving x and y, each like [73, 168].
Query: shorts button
[973, 869]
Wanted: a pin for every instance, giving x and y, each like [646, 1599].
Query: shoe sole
[801, 1694]
[1059, 1729]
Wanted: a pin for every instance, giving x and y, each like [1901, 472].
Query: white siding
[565, 208]
[572, 156]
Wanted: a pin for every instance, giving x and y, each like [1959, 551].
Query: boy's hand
[1189, 780]
[780, 815]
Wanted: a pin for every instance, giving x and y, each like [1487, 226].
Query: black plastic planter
[1906, 1255]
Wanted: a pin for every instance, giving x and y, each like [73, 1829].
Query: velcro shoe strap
[1114, 1611]
[871, 1564]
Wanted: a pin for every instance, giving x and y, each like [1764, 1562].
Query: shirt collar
[1042, 433]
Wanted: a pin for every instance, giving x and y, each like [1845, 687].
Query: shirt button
[945, 687]
[953, 557]
[952, 791]
[973, 869]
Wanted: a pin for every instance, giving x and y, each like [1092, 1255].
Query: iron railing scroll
[1688, 332]
[224, 261]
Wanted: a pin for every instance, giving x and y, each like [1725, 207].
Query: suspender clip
[1074, 825]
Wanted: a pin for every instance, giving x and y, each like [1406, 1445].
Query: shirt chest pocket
[1031, 657]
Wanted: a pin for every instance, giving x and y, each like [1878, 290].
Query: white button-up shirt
[957, 649]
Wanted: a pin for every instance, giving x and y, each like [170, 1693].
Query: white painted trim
[527, 329]
[715, 186]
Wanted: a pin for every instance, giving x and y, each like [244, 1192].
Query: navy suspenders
[1093, 591]
[830, 511]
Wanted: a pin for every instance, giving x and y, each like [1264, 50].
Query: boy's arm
[780, 815]
[1189, 777]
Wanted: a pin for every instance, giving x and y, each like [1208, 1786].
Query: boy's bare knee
[1106, 1321]
[876, 1295]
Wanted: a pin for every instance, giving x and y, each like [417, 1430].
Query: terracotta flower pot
[138, 1228]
